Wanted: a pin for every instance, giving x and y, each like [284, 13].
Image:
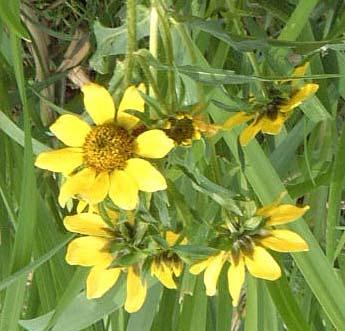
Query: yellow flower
[272, 119]
[167, 264]
[249, 251]
[106, 159]
[184, 128]
[93, 250]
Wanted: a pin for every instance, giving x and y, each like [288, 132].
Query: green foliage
[215, 55]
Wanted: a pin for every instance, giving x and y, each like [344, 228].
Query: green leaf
[113, 41]
[143, 319]
[12, 19]
[15, 133]
[25, 234]
[335, 196]
[81, 312]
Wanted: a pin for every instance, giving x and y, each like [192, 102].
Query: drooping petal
[148, 178]
[249, 133]
[236, 275]
[237, 119]
[297, 98]
[199, 267]
[212, 273]
[123, 190]
[265, 209]
[164, 275]
[273, 126]
[98, 103]
[284, 241]
[63, 160]
[282, 214]
[98, 189]
[153, 144]
[89, 251]
[262, 265]
[76, 185]
[71, 130]
[131, 100]
[88, 224]
[81, 206]
[136, 291]
[100, 280]
[177, 267]
[298, 72]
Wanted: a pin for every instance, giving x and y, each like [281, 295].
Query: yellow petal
[249, 133]
[123, 190]
[63, 160]
[164, 275]
[273, 126]
[81, 206]
[212, 272]
[153, 144]
[136, 291]
[236, 275]
[199, 267]
[131, 100]
[177, 268]
[89, 251]
[284, 241]
[89, 224]
[100, 280]
[237, 119]
[148, 178]
[282, 214]
[262, 265]
[76, 185]
[71, 130]
[98, 103]
[97, 190]
[297, 98]
[299, 71]
[171, 237]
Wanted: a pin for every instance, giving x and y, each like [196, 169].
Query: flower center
[108, 147]
[272, 109]
[181, 130]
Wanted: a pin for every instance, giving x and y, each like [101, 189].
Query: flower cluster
[109, 156]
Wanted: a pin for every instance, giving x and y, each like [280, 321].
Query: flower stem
[153, 39]
[169, 53]
[131, 39]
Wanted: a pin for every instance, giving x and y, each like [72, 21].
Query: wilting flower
[271, 117]
[248, 250]
[93, 249]
[184, 128]
[167, 263]
[106, 158]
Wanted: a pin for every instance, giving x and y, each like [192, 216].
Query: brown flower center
[180, 129]
[108, 147]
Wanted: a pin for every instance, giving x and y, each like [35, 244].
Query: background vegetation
[213, 52]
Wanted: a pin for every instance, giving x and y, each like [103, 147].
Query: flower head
[248, 249]
[167, 264]
[106, 158]
[93, 249]
[184, 128]
[271, 117]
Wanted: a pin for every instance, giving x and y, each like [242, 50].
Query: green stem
[167, 41]
[251, 56]
[153, 38]
[153, 84]
[131, 38]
